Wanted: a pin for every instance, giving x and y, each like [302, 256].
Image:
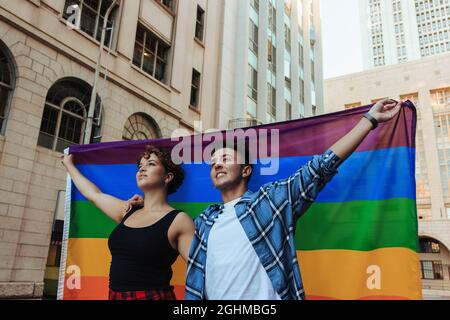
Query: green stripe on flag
[87, 221]
[193, 209]
[358, 225]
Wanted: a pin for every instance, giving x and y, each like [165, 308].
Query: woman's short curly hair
[166, 161]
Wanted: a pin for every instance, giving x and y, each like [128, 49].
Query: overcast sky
[340, 37]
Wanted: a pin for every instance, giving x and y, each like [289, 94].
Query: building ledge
[431, 294]
[21, 290]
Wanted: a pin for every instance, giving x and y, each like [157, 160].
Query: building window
[169, 4]
[440, 100]
[287, 37]
[300, 54]
[7, 79]
[65, 113]
[150, 53]
[200, 24]
[287, 90]
[302, 92]
[431, 270]
[253, 35]
[251, 108]
[272, 56]
[288, 111]
[255, 4]
[252, 83]
[428, 245]
[140, 127]
[272, 17]
[271, 99]
[195, 88]
[92, 17]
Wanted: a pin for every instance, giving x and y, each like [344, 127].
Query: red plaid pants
[155, 294]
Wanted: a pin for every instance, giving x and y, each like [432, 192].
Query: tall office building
[396, 31]
[270, 62]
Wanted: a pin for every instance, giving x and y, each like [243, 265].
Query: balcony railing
[243, 123]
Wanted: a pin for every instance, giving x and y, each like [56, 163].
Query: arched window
[140, 127]
[7, 81]
[65, 113]
[432, 258]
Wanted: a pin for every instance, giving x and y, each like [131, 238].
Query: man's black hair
[241, 146]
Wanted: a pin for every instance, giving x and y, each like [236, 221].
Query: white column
[295, 56]
[261, 108]
[431, 154]
[411, 30]
[387, 18]
[364, 14]
[280, 83]
[307, 57]
[241, 58]
[318, 61]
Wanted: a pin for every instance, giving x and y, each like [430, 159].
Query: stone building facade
[158, 74]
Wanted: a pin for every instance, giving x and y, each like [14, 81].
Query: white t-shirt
[233, 270]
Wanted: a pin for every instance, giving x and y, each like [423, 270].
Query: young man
[244, 248]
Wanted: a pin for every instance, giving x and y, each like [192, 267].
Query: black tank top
[141, 257]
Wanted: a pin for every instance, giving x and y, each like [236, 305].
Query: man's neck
[233, 194]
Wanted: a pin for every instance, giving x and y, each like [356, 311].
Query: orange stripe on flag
[353, 275]
[91, 255]
[179, 272]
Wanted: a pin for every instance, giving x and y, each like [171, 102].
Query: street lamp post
[90, 118]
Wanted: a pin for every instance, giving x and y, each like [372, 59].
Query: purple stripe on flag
[318, 134]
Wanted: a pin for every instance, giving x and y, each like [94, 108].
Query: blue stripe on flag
[387, 173]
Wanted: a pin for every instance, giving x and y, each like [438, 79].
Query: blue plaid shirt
[268, 218]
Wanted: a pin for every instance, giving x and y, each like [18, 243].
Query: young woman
[148, 238]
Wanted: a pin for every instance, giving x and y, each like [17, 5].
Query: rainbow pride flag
[357, 241]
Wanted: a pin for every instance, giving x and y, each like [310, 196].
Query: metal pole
[90, 119]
